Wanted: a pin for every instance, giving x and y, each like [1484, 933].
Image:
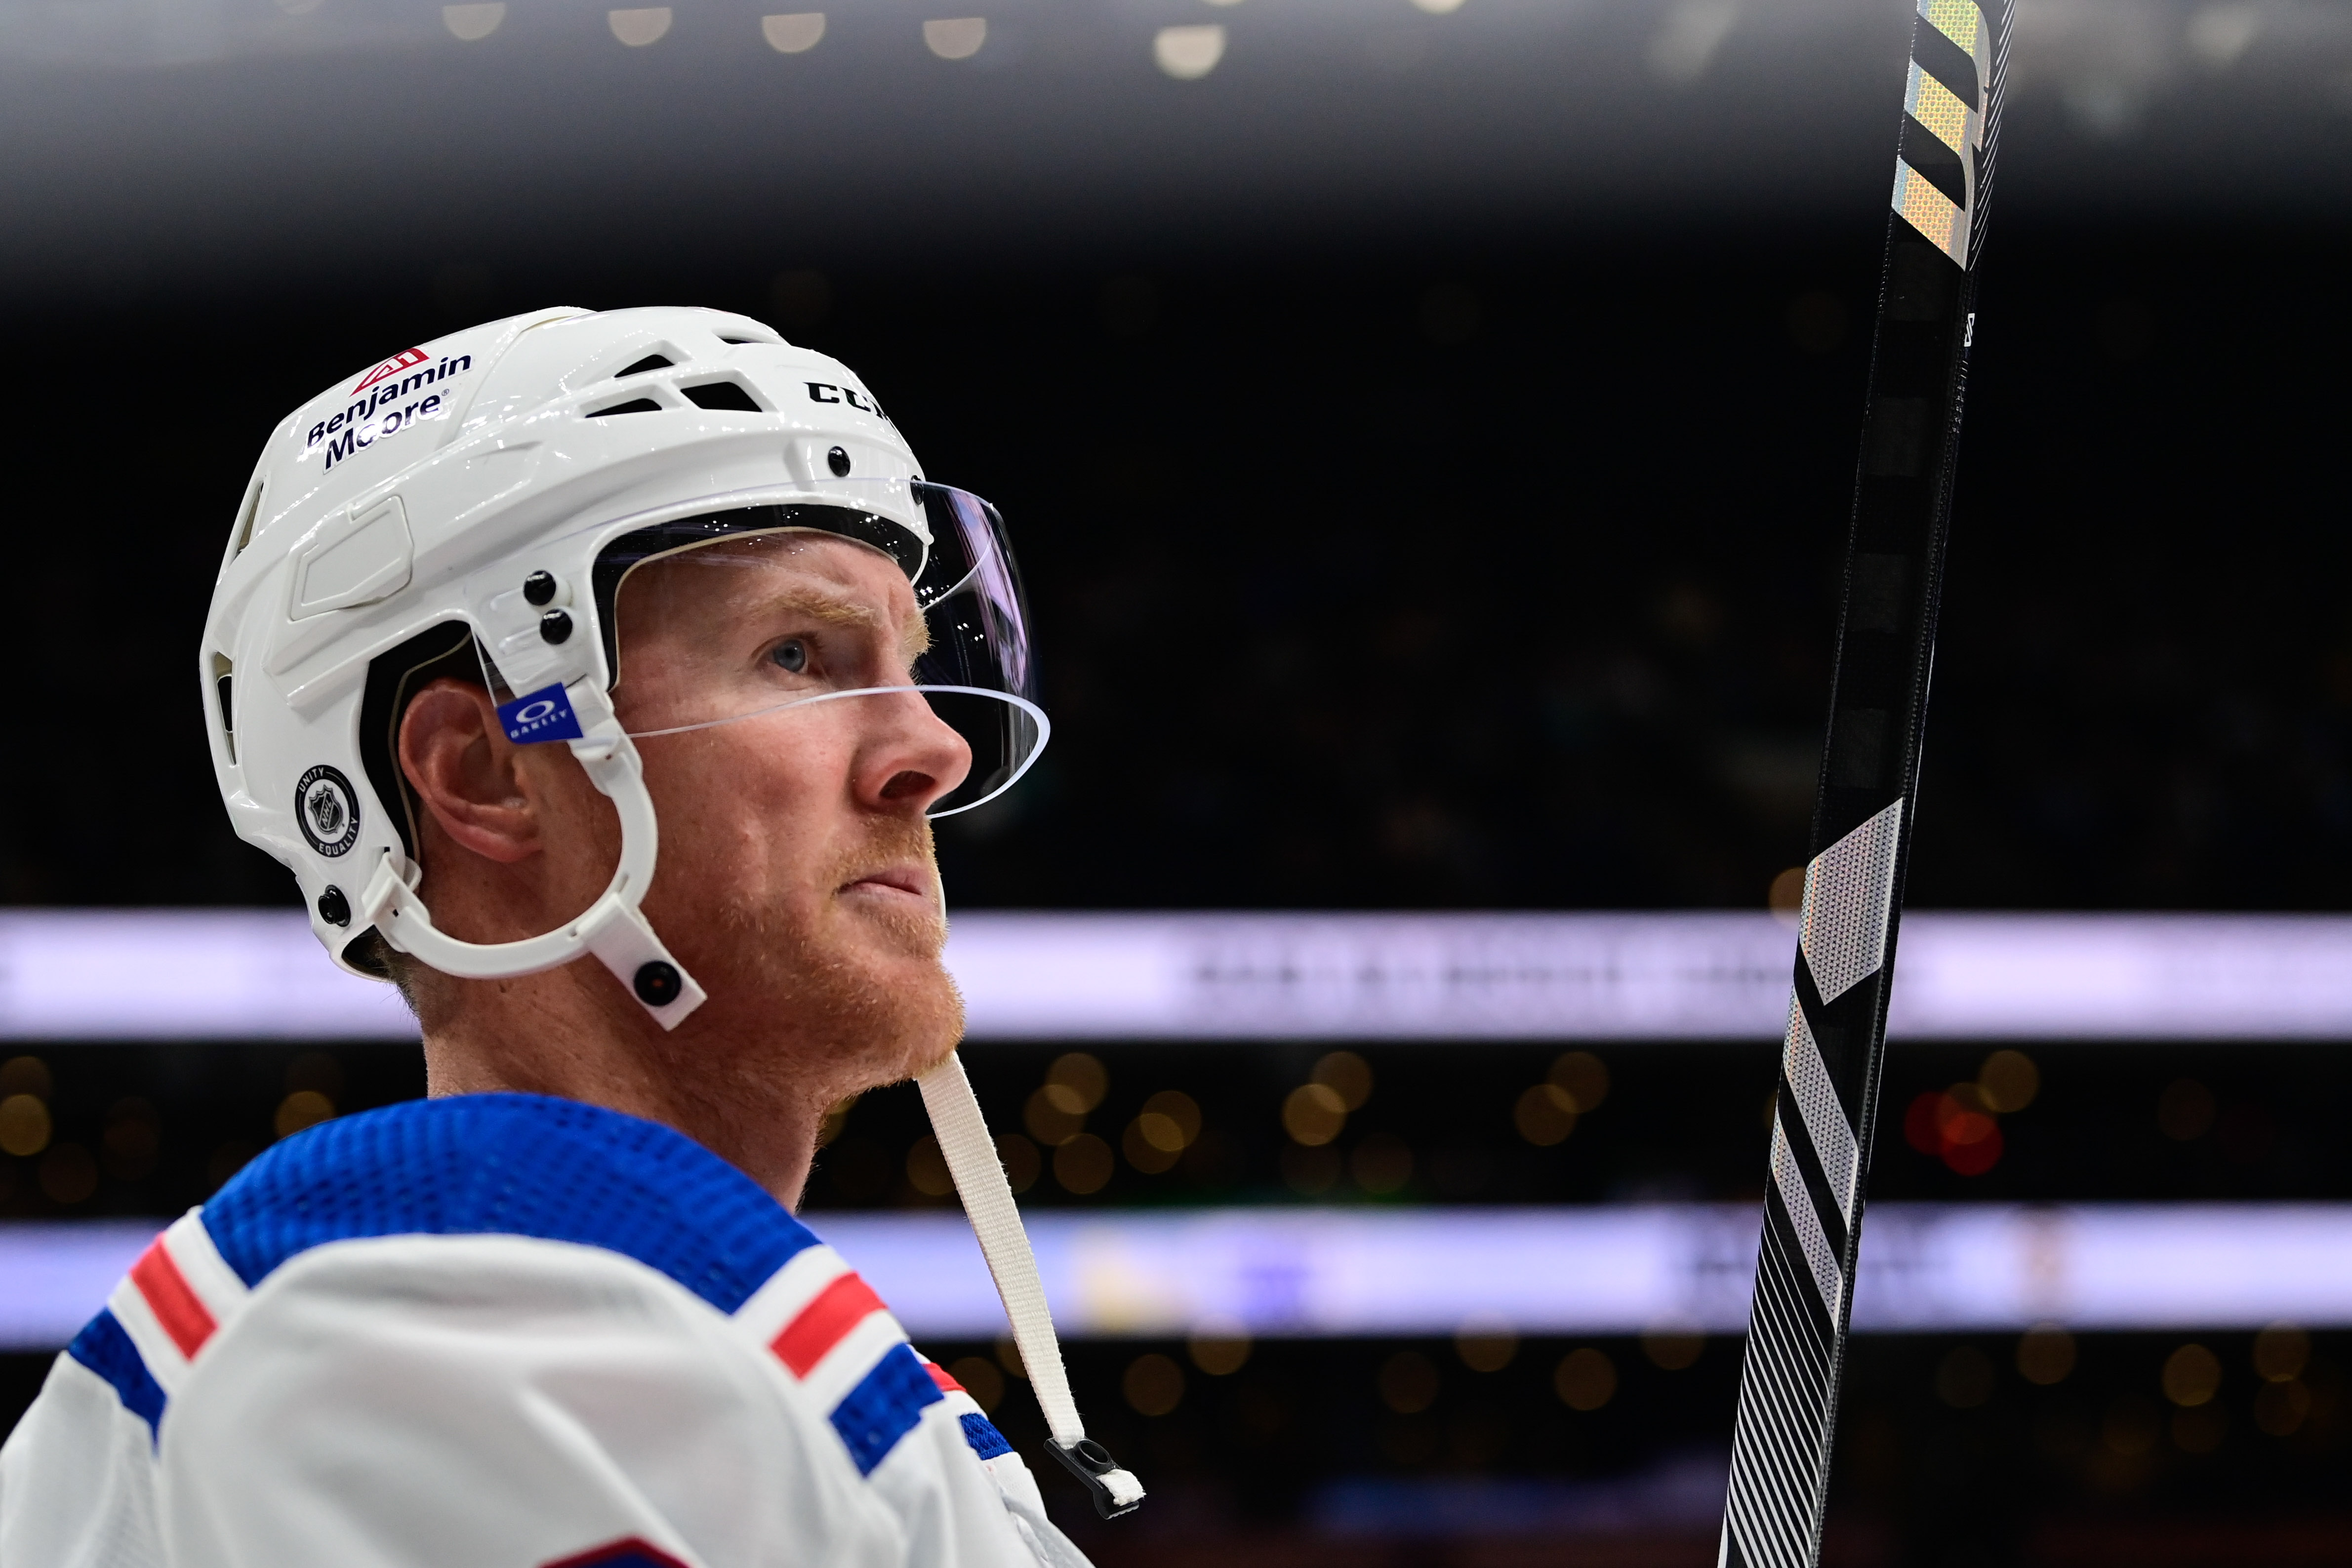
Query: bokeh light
[1408, 1382]
[1153, 1384]
[1585, 1379]
[2192, 1375]
[2046, 1353]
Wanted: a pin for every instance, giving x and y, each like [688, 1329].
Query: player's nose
[911, 758]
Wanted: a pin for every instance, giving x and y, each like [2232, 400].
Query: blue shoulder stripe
[510, 1164]
[106, 1349]
[884, 1406]
[985, 1439]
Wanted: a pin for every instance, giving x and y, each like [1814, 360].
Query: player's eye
[791, 655]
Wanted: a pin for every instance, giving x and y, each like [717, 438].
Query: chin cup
[1114, 1490]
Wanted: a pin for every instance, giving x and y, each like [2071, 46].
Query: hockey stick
[1836, 1041]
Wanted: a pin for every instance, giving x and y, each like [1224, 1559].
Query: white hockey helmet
[472, 506]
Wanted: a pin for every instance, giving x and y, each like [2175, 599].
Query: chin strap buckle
[1114, 1490]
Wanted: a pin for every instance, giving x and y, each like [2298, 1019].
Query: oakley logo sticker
[544, 715]
[328, 812]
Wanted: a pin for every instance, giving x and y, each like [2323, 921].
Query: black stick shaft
[1863, 816]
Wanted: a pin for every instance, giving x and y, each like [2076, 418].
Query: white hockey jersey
[502, 1331]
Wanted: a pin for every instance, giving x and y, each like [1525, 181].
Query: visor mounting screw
[334, 908]
[538, 587]
[838, 461]
[555, 626]
[657, 984]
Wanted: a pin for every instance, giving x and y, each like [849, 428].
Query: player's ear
[464, 769]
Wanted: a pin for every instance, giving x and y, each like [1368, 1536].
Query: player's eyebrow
[835, 608]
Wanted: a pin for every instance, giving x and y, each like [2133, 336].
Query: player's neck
[559, 1033]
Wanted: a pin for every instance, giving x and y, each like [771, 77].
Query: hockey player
[498, 622]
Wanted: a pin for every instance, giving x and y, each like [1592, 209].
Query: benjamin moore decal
[388, 400]
[406, 359]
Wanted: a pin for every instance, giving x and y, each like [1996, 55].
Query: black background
[1494, 575]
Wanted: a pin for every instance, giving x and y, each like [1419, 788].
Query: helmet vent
[251, 509]
[223, 680]
[650, 363]
[634, 405]
[739, 342]
[722, 394]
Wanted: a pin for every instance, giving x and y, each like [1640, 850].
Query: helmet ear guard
[613, 928]
[391, 909]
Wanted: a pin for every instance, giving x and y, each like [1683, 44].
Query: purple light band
[171, 975]
[1326, 1272]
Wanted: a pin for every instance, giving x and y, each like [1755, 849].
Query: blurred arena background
[1428, 428]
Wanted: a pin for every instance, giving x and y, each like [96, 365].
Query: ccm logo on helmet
[327, 810]
[396, 378]
[825, 392]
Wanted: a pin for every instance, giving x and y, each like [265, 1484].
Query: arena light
[794, 33]
[1363, 1272]
[957, 37]
[472, 23]
[1188, 53]
[641, 25]
[193, 975]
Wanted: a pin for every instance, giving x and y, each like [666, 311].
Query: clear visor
[833, 631]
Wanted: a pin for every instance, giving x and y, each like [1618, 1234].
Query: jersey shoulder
[306, 1227]
[510, 1164]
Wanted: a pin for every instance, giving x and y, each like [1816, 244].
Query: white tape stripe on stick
[1823, 1111]
[1849, 900]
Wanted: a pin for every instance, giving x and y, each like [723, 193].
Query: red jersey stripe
[838, 1308]
[175, 1306]
[631, 1552]
[940, 1376]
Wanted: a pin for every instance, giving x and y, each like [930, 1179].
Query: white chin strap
[612, 928]
[988, 1204]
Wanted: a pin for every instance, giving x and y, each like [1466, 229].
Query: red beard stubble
[856, 997]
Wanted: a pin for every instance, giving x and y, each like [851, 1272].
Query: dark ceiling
[333, 144]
